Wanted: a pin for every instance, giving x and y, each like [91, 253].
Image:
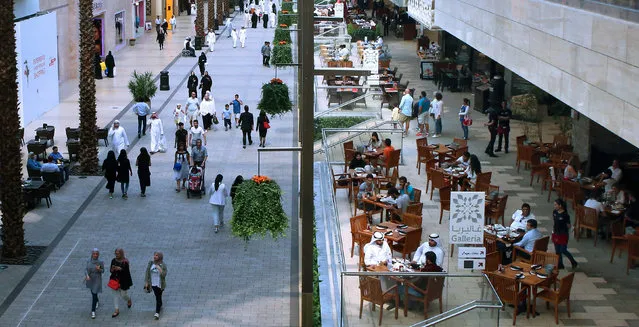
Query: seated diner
[521, 217]
[404, 187]
[377, 251]
[433, 245]
[528, 241]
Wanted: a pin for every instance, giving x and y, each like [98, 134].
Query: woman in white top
[155, 279]
[218, 200]
[472, 171]
[569, 171]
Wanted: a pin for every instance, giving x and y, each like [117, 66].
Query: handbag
[177, 166]
[467, 121]
[114, 284]
[215, 120]
[266, 125]
[561, 239]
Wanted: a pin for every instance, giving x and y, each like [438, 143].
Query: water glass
[549, 269]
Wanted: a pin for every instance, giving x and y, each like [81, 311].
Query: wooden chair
[524, 153]
[493, 259]
[484, 178]
[369, 213]
[498, 211]
[425, 156]
[433, 291]
[461, 142]
[412, 220]
[363, 239]
[444, 201]
[509, 293]
[633, 251]
[393, 162]
[521, 139]
[371, 290]
[556, 297]
[349, 154]
[453, 156]
[341, 181]
[589, 221]
[490, 243]
[540, 245]
[410, 244]
[415, 208]
[421, 142]
[417, 195]
[438, 181]
[553, 179]
[544, 258]
[559, 140]
[619, 240]
[358, 224]
[537, 168]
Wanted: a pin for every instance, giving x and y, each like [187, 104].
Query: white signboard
[371, 60]
[339, 10]
[422, 11]
[467, 264]
[37, 66]
[471, 252]
[467, 217]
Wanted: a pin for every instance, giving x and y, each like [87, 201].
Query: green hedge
[317, 309]
[287, 6]
[360, 33]
[282, 34]
[282, 54]
[287, 19]
[334, 122]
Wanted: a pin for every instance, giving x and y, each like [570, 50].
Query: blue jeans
[94, 301]
[465, 129]
[563, 250]
[438, 126]
[124, 187]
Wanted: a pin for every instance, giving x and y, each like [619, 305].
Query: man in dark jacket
[206, 83]
[201, 62]
[246, 122]
[109, 61]
[192, 83]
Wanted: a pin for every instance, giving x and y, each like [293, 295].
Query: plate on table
[381, 227]
[535, 267]
[388, 200]
[402, 226]
[390, 232]
[520, 276]
[513, 234]
[615, 212]
[517, 268]
[359, 170]
[499, 227]
[401, 232]
[542, 276]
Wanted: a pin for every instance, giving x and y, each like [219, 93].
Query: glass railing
[622, 9]
[333, 139]
[466, 300]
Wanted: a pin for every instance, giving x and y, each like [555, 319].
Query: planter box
[131, 42]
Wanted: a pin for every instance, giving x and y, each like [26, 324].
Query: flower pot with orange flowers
[257, 209]
[275, 98]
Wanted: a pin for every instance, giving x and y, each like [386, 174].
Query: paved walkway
[213, 280]
[602, 294]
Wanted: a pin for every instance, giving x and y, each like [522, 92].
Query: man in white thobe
[158, 141]
[247, 18]
[210, 39]
[117, 137]
[377, 251]
[432, 245]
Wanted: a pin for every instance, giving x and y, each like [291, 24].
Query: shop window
[119, 28]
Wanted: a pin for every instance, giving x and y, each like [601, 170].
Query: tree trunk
[10, 160]
[220, 16]
[88, 115]
[199, 19]
[211, 15]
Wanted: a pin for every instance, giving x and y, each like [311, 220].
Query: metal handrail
[476, 304]
[343, 104]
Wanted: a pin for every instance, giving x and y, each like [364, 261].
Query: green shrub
[287, 19]
[282, 55]
[317, 309]
[334, 122]
[275, 98]
[282, 34]
[361, 33]
[287, 5]
[350, 29]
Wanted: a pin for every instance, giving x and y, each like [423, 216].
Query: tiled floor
[602, 294]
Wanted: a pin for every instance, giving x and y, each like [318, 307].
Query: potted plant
[142, 87]
[282, 34]
[257, 209]
[282, 54]
[275, 98]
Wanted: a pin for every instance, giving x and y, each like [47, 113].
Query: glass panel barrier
[466, 300]
[333, 140]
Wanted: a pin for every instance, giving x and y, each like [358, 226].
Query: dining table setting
[530, 276]
[393, 232]
[504, 234]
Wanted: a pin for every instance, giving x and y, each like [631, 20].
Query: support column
[581, 137]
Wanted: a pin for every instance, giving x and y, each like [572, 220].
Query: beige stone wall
[588, 61]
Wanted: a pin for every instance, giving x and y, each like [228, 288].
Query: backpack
[415, 112]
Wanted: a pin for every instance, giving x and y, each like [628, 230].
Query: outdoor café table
[395, 236]
[530, 279]
[502, 234]
[441, 150]
[38, 147]
[372, 155]
[28, 189]
[382, 205]
[45, 132]
[454, 174]
[591, 186]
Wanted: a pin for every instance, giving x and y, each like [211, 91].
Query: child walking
[226, 114]
[178, 115]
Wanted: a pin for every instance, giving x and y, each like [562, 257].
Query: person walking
[263, 124]
[226, 115]
[121, 273]
[463, 114]
[234, 36]
[247, 18]
[229, 25]
[210, 39]
[143, 162]
[197, 133]
[422, 117]
[178, 115]
[266, 54]
[246, 122]
[160, 39]
[265, 20]
[93, 278]
[406, 110]
[158, 24]
[242, 36]
[141, 109]
[173, 24]
[237, 107]
[109, 61]
[117, 137]
[165, 26]
[110, 169]
[254, 19]
[561, 232]
[97, 66]
[207, 110]
[492, 129]
[124, 171]
[155, 279]
[503, 126]
[158, 141]
[181, 135]
[201, 62]
[438, 108]
[386, 22]
[192, 83]
[218, 200]
[206, 83]
[192, 108]
[181, 166]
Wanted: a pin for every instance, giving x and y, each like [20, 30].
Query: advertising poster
[37, 66]
[467, 217]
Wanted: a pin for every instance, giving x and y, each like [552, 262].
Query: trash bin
[164, 81]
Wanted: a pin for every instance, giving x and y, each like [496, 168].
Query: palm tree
[199, 19]
[10, 160]
[88, 115]
[211, 15]
[220, 16]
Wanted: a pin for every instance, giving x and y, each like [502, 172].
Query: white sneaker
[435, 135]
[93, 315]
[157, 316]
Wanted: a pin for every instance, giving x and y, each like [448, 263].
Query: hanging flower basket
[257, 209]
[282, 34]
[282, 55]
[275, 98]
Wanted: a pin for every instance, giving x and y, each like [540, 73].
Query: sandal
[115, 314]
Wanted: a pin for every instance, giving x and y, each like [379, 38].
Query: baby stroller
[196, 182]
